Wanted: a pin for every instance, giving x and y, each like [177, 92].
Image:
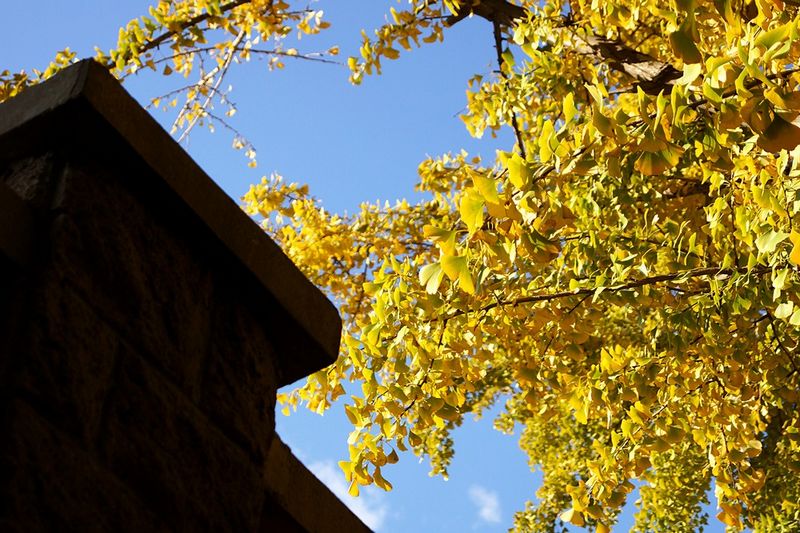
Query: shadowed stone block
[50, 483]
[65, 368]
[182, 466]
[152, 285]
[238, 389]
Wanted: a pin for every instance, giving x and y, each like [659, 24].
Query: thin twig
[779, 341]
[498, 45]
[221, 70]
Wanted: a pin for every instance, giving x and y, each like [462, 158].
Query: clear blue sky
[350, 144]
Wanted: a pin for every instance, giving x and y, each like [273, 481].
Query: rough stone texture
[237, 373]
[17, 225]
[65, 367]
[150, 284]
[54, 485]
[31, 178]
[176, 460]
[145, 327]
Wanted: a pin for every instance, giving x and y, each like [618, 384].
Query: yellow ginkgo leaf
[794, 255]
[456, 268]
[573, 517]
[487, 187]
[519, 173]
[471, 210]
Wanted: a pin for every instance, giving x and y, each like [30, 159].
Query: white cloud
[370, 506]
[487, 502]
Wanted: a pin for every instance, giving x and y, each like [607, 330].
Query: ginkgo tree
[623, 279]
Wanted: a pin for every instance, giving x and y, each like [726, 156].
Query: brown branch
[780, 343]
[574, 307]
[220, 71]
[194, 21]
[498, 45]
[236, 133]
[304, 57]
[363, 290]
[651, 280]
[651, 74]
[313, 56]
[198, 19]
[497, 11]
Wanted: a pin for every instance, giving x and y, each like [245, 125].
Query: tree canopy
[624, 278]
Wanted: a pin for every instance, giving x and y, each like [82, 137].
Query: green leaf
[691, 71]
[684, 47]
[773, 36]
[768, 241]
[711, 94]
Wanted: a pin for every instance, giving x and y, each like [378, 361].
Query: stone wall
[145, 326]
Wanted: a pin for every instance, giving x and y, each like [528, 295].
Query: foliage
[201, 39]
[625, 279]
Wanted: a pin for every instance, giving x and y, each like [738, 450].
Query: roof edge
[87, 84]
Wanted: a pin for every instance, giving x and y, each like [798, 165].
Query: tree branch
[499, 11]
[221, 70]
[198, 19]
[651, 74]
[777, 337]
[651, 280]
[498, 45]
[194, 21]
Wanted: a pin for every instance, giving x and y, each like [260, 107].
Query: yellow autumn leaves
[631, 263]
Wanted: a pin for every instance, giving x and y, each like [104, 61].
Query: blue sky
[350, 144]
